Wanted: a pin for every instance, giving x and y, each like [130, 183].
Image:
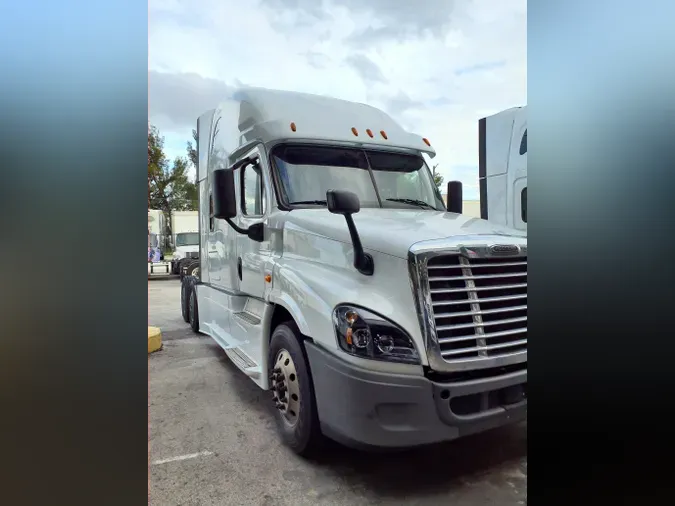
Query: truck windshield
[189, 239]
[380, 179]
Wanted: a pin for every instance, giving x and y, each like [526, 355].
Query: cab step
[248, 317]
[244, 362]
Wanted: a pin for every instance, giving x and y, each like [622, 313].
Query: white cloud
[437, 66]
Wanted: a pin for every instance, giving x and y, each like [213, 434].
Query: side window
[252, 191]
[212, 221]
[523, 204]
[523, 144]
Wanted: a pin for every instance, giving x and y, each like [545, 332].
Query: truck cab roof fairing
[258, 114]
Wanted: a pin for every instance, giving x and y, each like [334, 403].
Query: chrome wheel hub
[284, 384]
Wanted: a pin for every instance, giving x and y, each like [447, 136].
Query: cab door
[253, 208]
[252, 264]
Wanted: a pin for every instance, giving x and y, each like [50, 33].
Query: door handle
[239, 268]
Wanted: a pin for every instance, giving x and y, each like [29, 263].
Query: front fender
[298, 297]
[310, 290]
[284, 300]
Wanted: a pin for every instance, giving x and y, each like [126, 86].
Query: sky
[435, 66]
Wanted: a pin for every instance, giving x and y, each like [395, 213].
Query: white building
[470, 207]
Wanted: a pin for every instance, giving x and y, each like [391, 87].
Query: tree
[183, 195]
[438, 179]
[192, 152]
[158, 179]
[169, 188]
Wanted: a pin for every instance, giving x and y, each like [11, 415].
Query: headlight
[364, 334]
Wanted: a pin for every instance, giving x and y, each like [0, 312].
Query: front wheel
[293, 392]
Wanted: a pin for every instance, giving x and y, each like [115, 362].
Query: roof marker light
[355, 131]
[384, 134]
[369, 132]
[426, 141]
[293, 127]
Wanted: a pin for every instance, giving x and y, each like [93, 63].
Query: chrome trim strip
[470, 246]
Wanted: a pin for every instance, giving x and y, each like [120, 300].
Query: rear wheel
[193, 308]
[193, 269]
[184, 292]
[293, 392]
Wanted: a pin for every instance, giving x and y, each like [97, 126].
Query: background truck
[502, 167]
[156, 243]
[185, 234]
[333, 276]
[156, 235]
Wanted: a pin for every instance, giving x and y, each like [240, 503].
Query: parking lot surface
[213, 441]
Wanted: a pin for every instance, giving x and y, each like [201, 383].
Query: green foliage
[169, 188]
[183, 195]
[192, 152]
[438, 179]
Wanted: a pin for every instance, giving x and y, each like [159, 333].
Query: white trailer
[502, 167]
[156, 234]
[333, 275]
[185, 232]
[184, 221]
[156, 222]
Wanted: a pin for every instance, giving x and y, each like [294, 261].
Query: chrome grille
[479, 305]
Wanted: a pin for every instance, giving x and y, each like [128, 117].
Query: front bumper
[363, 408]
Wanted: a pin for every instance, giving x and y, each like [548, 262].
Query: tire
[193, 269]
[304, 436]
[184, 308]
[192, 305]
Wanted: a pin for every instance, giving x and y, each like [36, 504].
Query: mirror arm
[363, 262]
[236, 227]
[347, 203]
[249, 160]
[256, 232]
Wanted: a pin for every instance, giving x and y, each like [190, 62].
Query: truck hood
[393, 231]
[187, 249]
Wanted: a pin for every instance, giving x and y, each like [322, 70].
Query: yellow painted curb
[154, 339]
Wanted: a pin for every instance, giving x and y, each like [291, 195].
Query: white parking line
[182, 457]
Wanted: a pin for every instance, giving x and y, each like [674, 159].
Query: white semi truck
[502, 167]
[185, 231]
[333, 275]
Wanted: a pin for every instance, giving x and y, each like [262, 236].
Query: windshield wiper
[316, 202]
[414, 202]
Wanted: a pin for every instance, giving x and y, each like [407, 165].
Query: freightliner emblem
[503, 249]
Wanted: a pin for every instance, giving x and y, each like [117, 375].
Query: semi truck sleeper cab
[502, 167]
[332, 275]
